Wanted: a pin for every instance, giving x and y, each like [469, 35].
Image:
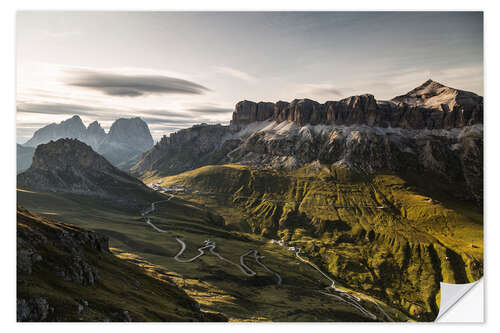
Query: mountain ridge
[430, 105]
[126, 140]
[359, 140]
[71, 166]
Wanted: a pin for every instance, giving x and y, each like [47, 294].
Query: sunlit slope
[215, 284]
[389, 237]
[66, 273]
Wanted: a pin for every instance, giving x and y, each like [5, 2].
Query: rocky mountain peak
[434, 95]
[69, 128]
[431, 105]
[68, 153]
[95, 127]
[131, 131]
[71, 166]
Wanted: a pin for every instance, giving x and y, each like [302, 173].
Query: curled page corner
[451, 294]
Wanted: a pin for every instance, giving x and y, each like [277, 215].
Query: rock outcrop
[70, 166]
[431, 106]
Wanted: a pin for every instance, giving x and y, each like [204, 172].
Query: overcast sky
[178, 69]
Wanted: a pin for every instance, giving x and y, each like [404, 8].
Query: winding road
[211, 245]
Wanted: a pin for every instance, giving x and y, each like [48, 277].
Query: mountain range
[384, 196]
[431, 129]
[126, 140]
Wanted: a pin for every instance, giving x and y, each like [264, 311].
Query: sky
[177, 69]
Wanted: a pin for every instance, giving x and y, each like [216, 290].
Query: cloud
[321, 90]
[55, 108]
[133, 85]
[210, 110]
[236, 73]
[166, 113]
[170, 121]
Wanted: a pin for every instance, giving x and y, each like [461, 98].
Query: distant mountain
[70, 166]
[126, 141]
[122, 146]
[24, 157]
[70, 128]
[66, 273]
[409, 134]
[95, 135]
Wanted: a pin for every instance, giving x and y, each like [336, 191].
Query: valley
[218, 285]
[351, 210]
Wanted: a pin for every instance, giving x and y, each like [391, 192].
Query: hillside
[218, 285]
[66, 273]
[70, 166]
[392, 238]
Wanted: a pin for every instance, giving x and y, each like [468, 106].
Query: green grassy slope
[75, 278]
[217, 286]
[392, 238]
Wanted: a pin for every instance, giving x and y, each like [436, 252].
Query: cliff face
[431, 106]
[186, 149]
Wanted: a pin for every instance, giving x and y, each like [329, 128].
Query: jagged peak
[74, 118]
[95, 123]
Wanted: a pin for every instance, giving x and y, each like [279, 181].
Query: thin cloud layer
[323, 90]
[133, 85]
[55, 109]
[210, 110]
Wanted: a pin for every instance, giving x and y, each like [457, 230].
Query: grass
[217, 286]
[147, 293]
[391, 237]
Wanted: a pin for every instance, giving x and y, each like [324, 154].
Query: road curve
[210, 246]
[257, 259]
[152, 209]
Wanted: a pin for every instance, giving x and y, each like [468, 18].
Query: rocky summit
[431, 105]
[126, 141]
[71, 166]
[69, 128]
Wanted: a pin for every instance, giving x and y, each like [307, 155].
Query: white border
[492, 140]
